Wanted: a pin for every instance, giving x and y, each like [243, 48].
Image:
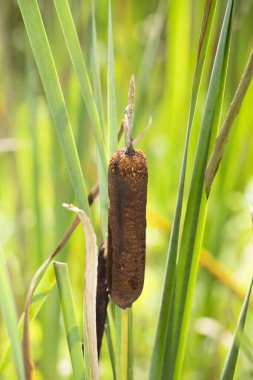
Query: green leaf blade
[102, 175]
[73, 44]
[69, 316]
[45, 63]
[96, 71]
[112, 118]
[163, 322]
[231, 360]
[196, 209]
[7, 307]
[41, 293]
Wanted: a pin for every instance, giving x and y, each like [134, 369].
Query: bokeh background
[158, 42]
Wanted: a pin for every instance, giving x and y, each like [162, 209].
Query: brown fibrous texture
[127, 187]
[102, 298]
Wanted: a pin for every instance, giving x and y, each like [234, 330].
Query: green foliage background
[158, 42]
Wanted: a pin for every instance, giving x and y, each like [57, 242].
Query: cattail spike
[127, 187]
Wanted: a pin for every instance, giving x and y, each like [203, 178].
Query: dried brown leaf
[90, 288]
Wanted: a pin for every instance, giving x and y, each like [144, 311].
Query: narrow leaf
[69, 316]
[7, 306]
[111, 339]
[220, 97]
[73, 44]
[29, 366]
[111, 97]
[96, 72]
[163, 321]
[231, 360]
[44, 59]
[102, 175]
[196, 209]
[44, 287]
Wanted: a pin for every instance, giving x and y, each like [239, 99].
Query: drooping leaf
[91, 263]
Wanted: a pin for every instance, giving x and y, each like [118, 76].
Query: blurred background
[158, 42]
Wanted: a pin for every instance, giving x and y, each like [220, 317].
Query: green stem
[124, 345]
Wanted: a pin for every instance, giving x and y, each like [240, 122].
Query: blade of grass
[75, 51]
[219, 103]
[99, 102]
[7, 306]
[45, 285]
[26, 334]
[44, 59]
[31, 91]
[92, 105]
[69, 316]
[111, 95]
[203, 207]
[111, 339]
[96, 72]
[111, 350]
[163, 321]
[42, 291]
[195, 213]
[231, 360]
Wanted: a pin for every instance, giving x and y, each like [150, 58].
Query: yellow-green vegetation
[63, 91]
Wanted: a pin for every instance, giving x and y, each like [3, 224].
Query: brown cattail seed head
[127, 186]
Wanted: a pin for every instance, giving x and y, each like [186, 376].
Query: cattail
[127, 187]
